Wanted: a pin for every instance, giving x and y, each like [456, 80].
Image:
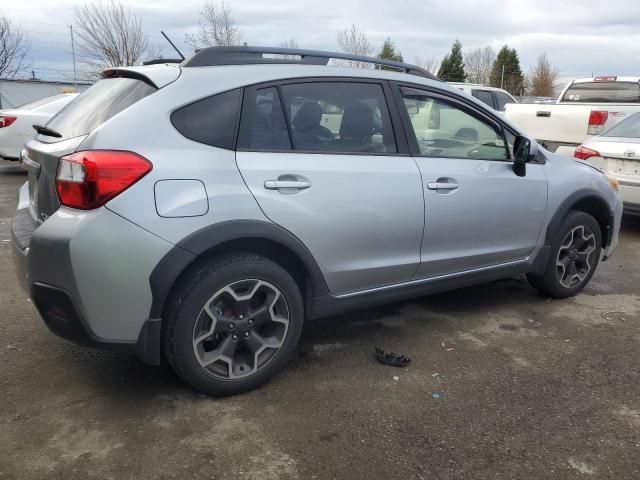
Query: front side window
[339, 117]
[444, 130]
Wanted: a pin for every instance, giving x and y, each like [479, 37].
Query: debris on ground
[392, 359]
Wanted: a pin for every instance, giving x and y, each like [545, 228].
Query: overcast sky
[580, 37]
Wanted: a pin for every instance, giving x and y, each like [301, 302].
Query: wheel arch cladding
[588, 201]
[255, 236]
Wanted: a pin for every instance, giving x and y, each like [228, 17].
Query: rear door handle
[442, 186]
[284, 184]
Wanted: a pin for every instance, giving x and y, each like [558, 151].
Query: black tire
[185, 308]
[550, 283]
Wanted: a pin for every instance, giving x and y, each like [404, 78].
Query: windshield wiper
[49, 132]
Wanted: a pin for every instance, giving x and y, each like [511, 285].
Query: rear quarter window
[603, 92]
[211, 121]
[98, 104]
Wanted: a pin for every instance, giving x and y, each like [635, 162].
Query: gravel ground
[504, 384]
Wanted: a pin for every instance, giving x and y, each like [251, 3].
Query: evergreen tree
[389, 52]
[452, 66]
[506, 72]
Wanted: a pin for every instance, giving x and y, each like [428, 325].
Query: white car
[586, 107]
[617, 153]
[16, 125]
[496, 98]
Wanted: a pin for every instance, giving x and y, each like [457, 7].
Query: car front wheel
[575, 253]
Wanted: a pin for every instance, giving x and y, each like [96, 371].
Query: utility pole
[502, 78]
[73, 54]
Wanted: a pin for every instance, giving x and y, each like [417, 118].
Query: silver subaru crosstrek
[202, 211]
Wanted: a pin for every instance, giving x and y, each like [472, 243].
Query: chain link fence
[14, 93]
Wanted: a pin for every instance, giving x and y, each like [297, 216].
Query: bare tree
[217, 27]
[430, 64]
[542, 78]
[14, 46]
[478, 64]
[355, 42]
[109, 35]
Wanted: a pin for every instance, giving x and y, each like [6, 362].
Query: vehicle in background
[496, 98]
[617, 153]
[16, 125]
[586, 107]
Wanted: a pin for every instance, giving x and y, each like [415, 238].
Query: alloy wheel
[240, 329]
[576, 256]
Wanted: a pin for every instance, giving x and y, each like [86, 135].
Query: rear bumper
[87, 273]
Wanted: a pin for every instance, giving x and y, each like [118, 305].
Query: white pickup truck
[586, 107]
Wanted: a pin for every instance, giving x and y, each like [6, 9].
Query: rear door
[323, 161]
[478, 213]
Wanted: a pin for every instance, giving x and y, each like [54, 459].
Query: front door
[328, 170]
[478, 213]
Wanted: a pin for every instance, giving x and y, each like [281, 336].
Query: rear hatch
[66, 131]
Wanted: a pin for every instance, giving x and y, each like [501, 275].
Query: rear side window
[211, 120]
[484, 96]
[501, 100]
[339, 117]
[264, 126]
[603, 92]
[98, 104]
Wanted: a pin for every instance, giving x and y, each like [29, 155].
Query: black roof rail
[159, 61]
[245, 55]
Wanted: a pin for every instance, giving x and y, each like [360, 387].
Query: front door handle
[442, 186]
[286, 184]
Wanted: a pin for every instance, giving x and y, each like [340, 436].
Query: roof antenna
[172, 44]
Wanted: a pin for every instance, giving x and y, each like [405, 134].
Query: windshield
[629, 127]
[98, 104]
[603, 92]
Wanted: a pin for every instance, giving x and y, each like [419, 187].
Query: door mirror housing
[524, 150]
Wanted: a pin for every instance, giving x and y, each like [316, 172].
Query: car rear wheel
[234, 324]
[575, 254]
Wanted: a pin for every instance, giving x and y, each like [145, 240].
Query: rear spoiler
[155, 75]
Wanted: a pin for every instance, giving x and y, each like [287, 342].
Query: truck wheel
[233, 324]
[575, 253]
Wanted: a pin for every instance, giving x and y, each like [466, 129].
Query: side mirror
[524, 150]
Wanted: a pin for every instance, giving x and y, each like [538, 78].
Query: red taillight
[5, 120]
[88, 180]
[609, 78]
[582, 153]
[597, 119]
